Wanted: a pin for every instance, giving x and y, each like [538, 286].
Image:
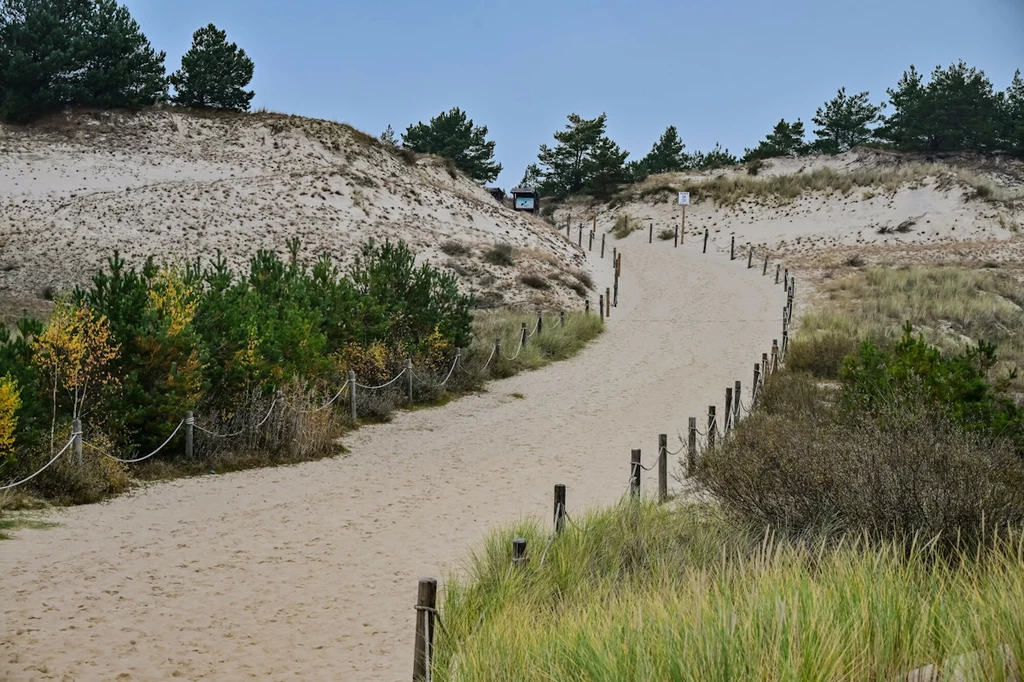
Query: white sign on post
[684, 198]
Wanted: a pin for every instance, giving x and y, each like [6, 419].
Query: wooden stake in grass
[426, 613]
[522, 332]
[600, 306]
[691, 446]
[634, 474]
[775, 356]
[608, 302]
[519, 553]
[559, 508]
[540, 323]
[766, 369]
[778, 269]
[586, 309]
[757, 383]
[728, 410]
[712, 425]
[705, 240]
[561, 315]
[352, 393]
[662, 467]
[736, 404]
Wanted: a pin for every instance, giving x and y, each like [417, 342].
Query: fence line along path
[310, 572]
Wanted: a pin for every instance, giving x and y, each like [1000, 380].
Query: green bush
[501, 254]
[821, 355]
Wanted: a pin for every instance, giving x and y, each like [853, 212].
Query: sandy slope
[309, 572]
[184, 186]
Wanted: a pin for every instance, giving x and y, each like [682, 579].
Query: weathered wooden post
[775, 356]
[519, 553]
[591, 241]
[705, 240]
[615, 301]
[568, 227]
[691, 446]
[426, 614]
[750, 258]
[765, 270]
[732, 248]
[778, 269]
[561, 314]
[662, 467]
[408, 370]
[586, 308]
[352, 394]
[559, 508]
[540, 323]
[736, 403]
[607, 302]
[580, 243]
[757, 384]
[522, 335]
[615, 256]
[602, 243]
[76, 433]
[497, 347]
[600, 306]
[766, 369]
[785, 344]
[728, 411]
[650, 236]
[190, 426]
[712, 425]
[634, 473]
[677, 237]
[785, 280]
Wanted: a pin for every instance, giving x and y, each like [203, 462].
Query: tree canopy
[844, 122]
[57, 53]
[453, 136]
[214, 73]
[786, 139]
[584, 159]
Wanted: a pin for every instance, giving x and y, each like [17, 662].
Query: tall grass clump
[637, 592]
[624, 226]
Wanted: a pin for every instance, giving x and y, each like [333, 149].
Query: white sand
[309, 572]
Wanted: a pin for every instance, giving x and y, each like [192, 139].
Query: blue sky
[720, 71]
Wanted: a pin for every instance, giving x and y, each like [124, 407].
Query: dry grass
[731, 189]
[624, 226]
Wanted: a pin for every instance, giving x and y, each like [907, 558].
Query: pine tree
[666, 156]
[213, 73]
[905, 126]
[845, 122]
[786, 139]
[453, 136]
[564, 167]
[604, 168]
[531, 176]
[1015, 113]
[388, 137]
[123, 68]
[718, 157]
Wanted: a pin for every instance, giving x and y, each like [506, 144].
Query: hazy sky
[720, 71]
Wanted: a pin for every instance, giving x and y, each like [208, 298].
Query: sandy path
[309, 572]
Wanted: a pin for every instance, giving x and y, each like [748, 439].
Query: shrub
[666, 234]
[584, 278]
[535, 281]
[67, 481]
[854, 261]
[501, 254]
[454, 249]
[625, 226]
[821, 355]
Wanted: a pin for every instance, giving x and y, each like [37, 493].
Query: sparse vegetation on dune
[732, 189]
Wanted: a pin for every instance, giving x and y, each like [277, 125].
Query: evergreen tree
[604, 168]
[213, 73]
[786, 139]
[453, 136]
[1015, 113]
[666, 156]
[844, 122]
[531, 176]
[564, 167]
[123, 69]
[716, 158]
[388, 136]
[957, 110]
[56, 53]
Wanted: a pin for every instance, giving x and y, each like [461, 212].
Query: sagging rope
[521, 344]
[239, 433]
[140, 459]
[385, 385]
[325, 405]
[45, 467]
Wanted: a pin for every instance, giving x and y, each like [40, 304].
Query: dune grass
[731, 189]
[951, 306]
[647, 593]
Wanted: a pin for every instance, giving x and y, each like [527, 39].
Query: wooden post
[615, 256]
[426, 616]
[522, 335]
[593, 229]
[757, 384]
[732, 248]
[591, 241]
[682, 228]
[750, 258]
[785, 280]
[602, 244]
[712, 425]
[785, 344]
[76, 433]
[766, 369]
[778, 269]
[559, 508]
[580, 243]
[618, 265]
[615, 303]
[775, 356]
[785, 316]
[662, 467]
[568, 227]
[519, 553]
[634, 473]
[600, 306]
[586, 308]
[352, 394]
[190, 426]
[765, 270]
[540, 323]
[705, 240]
[497, 347]
[650, 236]
[561, 315]
[408, 370]
[728, 411]
[677, 238]
[691, 447]
[736, 403]
[607, 302]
